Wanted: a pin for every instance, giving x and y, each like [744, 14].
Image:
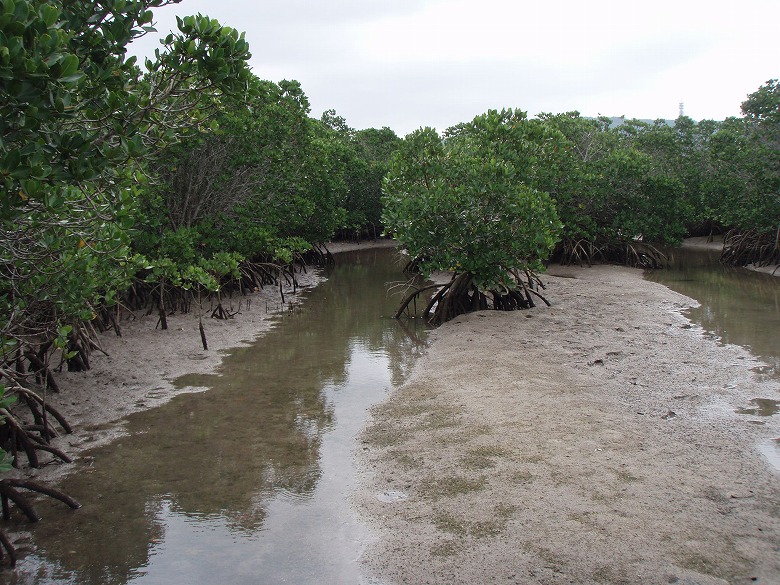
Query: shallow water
[738, 306]
[249, 481]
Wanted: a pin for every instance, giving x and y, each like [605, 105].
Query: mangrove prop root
[80, 343]
[44, 489]
[221, 313]
[633, 253]
[30, 395]
[751, 247]
[105, 319]
[90, 336]
[456, 301]
[114, 324]
[45, 432]
[39, 417]
[19, 438]
[9, 492]
[42, 369]
[581, 252]
[322, 256]
[546, 302]
[49, 408]
[434, 299]
[413, 296]
[203, 336]
[15, 436]
[528, 297]
[53, 450]
[461, 295]
[164, 298]
[9, 548]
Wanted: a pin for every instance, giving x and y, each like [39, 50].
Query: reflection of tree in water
[737, 306]
[225, 453]
[400, 340]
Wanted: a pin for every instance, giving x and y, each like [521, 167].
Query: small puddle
[248, 482]
[771, 450]
[391, 497]
[761, 407]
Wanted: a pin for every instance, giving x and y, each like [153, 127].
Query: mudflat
[594, 441]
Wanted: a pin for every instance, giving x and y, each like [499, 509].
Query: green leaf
[49, 14]
[69, 64]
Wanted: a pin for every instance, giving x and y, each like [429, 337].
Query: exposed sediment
[594, 441]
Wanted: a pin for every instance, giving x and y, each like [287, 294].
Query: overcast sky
[412, 63]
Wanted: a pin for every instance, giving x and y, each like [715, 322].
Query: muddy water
[738, 306]
[247, 482]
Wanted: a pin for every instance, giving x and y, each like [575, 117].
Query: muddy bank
[595, 441]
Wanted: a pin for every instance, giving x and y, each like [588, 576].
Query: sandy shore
[595, 441]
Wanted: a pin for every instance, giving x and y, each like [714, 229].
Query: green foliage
[361, 158]
[79, 125]
[760, 202]
[655, 183]
[635, 201]
[580, 145]
[73, 111]
[616, 186]
[692, 166]
[268, 184]
[467, 202]
[762, 107]
[741, 188]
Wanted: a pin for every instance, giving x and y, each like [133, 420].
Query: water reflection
[245, 483]
[738, 306]
[761, 407]
[771, 450]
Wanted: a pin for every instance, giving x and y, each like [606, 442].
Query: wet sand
[594, 441]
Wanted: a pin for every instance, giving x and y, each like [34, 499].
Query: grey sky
[411, 63]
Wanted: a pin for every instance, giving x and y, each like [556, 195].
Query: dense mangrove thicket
[622, 190]
[467, 203]
[79, 122]
[148, 186]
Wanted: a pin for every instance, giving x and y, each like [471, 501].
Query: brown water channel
[249, 481]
